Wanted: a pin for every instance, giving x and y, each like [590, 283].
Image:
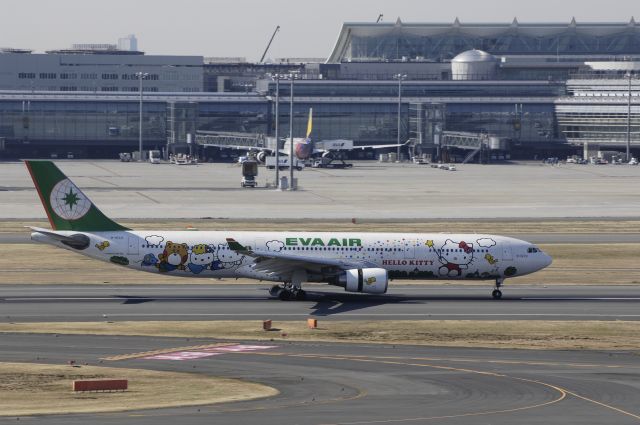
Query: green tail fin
[66, 206]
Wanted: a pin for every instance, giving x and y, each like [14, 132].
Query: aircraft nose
[546, 262]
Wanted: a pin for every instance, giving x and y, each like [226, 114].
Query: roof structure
[442, 41]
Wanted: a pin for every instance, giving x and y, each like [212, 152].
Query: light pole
[399, 77]
[629, 118]
[292, 76]
[277, 132]
[141, 76]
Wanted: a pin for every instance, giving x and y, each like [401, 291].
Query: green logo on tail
[66, 206]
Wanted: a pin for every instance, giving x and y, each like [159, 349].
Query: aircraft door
[410, 249]
[134, 245]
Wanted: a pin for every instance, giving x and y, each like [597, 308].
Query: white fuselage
[403, 255]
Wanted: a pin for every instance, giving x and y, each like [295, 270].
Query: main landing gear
[287, 292]
[497, 293]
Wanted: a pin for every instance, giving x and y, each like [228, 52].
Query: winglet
[237, 246]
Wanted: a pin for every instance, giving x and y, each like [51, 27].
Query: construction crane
[269, 45]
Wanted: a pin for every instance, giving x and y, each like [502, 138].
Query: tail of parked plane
[66, 206]
[310, 122]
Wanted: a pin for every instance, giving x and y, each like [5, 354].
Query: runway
[369, 384]
[51, 303]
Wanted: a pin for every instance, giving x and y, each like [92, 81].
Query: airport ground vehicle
[270, 163]
[249, 173]
[154, 156]
[360, 262]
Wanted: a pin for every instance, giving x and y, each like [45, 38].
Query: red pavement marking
[208, 352]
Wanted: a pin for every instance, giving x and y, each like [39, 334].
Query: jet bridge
[472, 142]
[223, 139]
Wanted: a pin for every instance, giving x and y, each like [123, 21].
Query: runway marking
[209, 298]
[581, 299]
[114, 315]
[508, 362]
[163, 351]
[607, 406]
[563, 391]
[208, 352]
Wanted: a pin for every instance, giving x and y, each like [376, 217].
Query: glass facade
[102, 125]
[361, 122]
[420, 88]
[527, 123]
[601, 125]
[399, 41]
[86, 122]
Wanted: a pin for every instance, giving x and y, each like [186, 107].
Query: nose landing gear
[497, 293]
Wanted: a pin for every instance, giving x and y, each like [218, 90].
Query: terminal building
[547, 89]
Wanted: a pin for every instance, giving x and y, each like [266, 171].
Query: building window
[109, 76]
[108, 89]
[48, 75]
[27, 75]
[68, 76]
[88, 76]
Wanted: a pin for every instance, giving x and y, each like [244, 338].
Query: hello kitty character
[455, 257]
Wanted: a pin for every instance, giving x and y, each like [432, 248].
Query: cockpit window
[532, 249]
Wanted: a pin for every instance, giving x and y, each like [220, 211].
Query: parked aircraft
[358, 262]
[306, 148]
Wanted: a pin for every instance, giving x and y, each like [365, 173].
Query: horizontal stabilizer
[77, 241]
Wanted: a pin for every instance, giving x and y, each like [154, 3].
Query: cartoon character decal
[228, 258]
[154, 240]
[195, 259]
[201, 258]
[275, 246]
[102, 246]
[490, 259]
[174, 256]
[455, 257]
[149, 260]
[487, 243]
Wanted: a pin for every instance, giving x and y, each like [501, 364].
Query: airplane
[305, 147]
[359, 262]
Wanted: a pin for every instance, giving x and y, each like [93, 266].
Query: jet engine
[261, 157]
[368, 281]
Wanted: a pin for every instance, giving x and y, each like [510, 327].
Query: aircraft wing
[381, 146]
[281, 262]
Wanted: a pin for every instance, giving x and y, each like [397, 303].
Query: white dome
[474, 56]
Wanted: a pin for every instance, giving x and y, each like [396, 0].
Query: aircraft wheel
[284, 295]
[496, 294]
[275, 290]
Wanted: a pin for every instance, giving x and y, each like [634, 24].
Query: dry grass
[573, 264]
[35, 389]
[596, 335]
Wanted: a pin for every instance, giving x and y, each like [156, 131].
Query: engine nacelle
[368, 281]
[261, 157]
